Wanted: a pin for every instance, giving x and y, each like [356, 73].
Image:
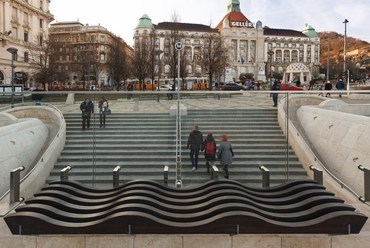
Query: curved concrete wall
[53, 119]
[323, 130]
[342, 141]
[20, 143]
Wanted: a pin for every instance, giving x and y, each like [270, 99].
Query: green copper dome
[310, 32]
[145, 22]
[233, 6]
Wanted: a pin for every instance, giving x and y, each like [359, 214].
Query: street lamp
[270, 53]
[345, 47]
[13, 51]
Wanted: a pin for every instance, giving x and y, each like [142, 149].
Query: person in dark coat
[209, 146]
[103, 110]
[340, 86]
[87, 108]
[328, 86]
[195, 141]
[274, 87]
[225, 154]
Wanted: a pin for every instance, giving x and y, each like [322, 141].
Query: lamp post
[328, 60]
[345, 52]
[345, 45]
[270, 53]
[13, 51]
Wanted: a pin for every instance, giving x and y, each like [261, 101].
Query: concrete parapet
[70, 99]
[7, 119]
[183, 110]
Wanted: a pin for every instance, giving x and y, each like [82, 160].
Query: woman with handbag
[225, 154]
[103, 110]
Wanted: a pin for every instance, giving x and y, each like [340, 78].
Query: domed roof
[309, 31]
[297, 67]
[145, 22]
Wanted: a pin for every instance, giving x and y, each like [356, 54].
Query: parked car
[289, 87]
[165, 87]
[233, 86]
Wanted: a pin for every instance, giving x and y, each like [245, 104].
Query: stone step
[142, 143]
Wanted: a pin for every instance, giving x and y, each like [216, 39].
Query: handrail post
[265, 177]
[165, 175]
[215, 172]
[15, 181]
[366, 183]
[64, 173]
[116, 176]
[317, 175]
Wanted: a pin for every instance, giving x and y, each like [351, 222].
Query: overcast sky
[121, 17]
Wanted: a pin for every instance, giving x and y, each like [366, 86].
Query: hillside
[356, 49]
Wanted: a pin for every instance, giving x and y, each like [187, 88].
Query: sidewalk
[164, 105]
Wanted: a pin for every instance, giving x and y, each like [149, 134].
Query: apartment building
[23, 27]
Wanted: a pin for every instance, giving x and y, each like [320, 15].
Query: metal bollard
[15, 181]
[265, 177]
[64, 173]
[116, 176]
[366, 183]
[215, 172]
[165, 175]
[317, 175]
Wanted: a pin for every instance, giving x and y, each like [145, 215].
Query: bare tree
[174, 37]
[141, 60]
[42, 60]
[119, 60]
[214, 56]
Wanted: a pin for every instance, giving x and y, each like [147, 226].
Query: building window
[67, 49]
[269, 46]
[60, 49]
[102, 39]
[60, 58]
[102, 48]
[41, 4]
[14, 13]
[25, 19]
[41, 23]
[92, 38]
[25, 35]
[67, 58]
[26, 57]
[66, 68]
[102, 57]
[41, 40]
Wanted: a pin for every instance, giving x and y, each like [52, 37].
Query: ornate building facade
[253, 48]
[84, 52]
[23, 24]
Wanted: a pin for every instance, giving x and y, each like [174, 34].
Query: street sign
[178, 45]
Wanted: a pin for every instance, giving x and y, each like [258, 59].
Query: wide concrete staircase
[143, 143]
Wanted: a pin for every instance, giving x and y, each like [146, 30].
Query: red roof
[233, 17]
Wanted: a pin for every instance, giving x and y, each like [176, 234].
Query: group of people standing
[87, 109]
[224, 152]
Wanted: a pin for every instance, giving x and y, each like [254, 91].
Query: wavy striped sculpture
[217, 207]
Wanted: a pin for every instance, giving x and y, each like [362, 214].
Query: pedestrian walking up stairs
[143, 143]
